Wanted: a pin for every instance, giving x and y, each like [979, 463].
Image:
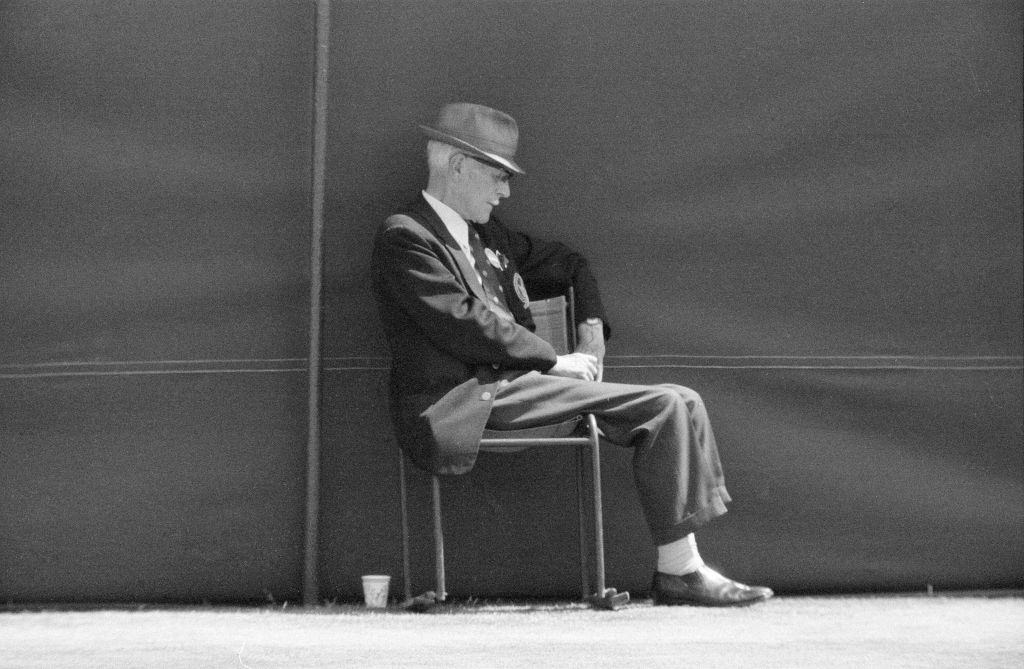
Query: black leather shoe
[705, 587]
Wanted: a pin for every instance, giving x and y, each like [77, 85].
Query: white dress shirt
[457, 226]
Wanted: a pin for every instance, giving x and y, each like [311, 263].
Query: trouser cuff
[714, 508]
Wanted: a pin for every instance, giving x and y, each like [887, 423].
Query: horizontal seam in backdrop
[366, 363]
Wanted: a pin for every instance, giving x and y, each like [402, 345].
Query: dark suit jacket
[448, 350]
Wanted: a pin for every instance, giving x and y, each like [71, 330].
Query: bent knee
[665, 398]
[690, 396]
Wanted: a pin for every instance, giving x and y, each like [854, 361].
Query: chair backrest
[552, 318]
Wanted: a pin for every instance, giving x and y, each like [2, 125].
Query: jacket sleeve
[551, 268]
[410, 275]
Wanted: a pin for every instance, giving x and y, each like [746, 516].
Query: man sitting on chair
[453, 286]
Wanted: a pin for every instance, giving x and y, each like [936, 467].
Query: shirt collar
[456, 225]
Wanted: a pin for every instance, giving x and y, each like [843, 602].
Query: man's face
[481, 188]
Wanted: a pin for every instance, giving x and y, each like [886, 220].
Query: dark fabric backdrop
[824, 196]
[810, 212]
[154, 262]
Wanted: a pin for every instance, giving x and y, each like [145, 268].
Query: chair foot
[610, 600]
[422, 603]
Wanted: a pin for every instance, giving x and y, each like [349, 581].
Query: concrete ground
[851, 631]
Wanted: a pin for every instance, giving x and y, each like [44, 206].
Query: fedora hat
[480, 131]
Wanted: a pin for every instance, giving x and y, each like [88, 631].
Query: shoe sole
[667, 601]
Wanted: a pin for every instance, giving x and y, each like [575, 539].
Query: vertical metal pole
[310, 585]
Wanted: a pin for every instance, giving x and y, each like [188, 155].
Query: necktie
[491, 283]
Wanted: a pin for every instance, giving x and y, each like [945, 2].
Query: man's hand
[576, 366]
[590, 338]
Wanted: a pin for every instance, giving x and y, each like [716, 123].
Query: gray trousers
[676, 468]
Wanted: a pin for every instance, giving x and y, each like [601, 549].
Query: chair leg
[605, 598]
[442, 594]
[581, 512]
[595, 460]
[427, 600]
[406, 560]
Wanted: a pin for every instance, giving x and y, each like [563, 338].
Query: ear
[457, 162]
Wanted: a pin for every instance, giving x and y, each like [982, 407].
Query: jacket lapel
[458, 258]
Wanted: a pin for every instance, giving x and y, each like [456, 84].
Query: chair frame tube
[439, 576]
[406, 558]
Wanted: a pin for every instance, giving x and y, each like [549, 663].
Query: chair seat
[556, 431]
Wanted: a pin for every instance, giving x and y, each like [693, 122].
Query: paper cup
[375, 590]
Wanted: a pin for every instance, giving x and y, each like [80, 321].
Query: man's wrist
[590, 337]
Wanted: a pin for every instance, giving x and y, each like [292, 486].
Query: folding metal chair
[555, 323]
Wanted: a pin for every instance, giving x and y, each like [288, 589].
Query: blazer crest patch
[520, 286]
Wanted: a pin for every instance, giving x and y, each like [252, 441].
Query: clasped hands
[576, 366]
[587, 362]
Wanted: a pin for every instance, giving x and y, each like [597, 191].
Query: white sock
[679, 557]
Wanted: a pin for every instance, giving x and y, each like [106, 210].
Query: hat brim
[487, 156]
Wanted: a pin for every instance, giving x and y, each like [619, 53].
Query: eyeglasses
[503, 177]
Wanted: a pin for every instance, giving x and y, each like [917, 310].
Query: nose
[504, 190]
